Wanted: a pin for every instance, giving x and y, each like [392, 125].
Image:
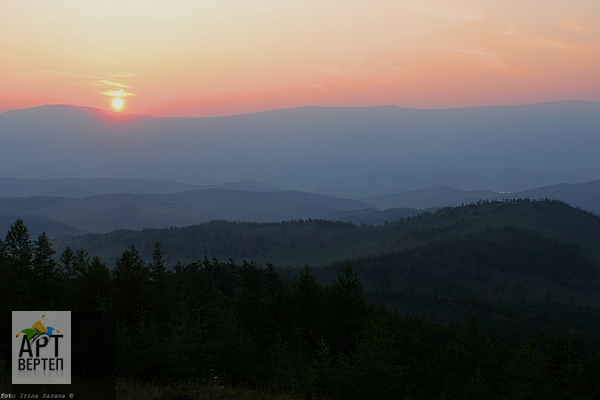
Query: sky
[223, 57]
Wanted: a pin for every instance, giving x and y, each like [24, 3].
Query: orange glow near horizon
[188, 58]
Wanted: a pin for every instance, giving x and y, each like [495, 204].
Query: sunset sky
[223, 57]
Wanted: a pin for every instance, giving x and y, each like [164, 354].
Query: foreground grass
[189, 390]
[174, 390]
[83, 388]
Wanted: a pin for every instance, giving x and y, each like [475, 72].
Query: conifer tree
[44, 271]
[93, 287]
[44, 265]
[307, 307]
[157, 268]
[67, 258]
[131, 277]
[81, 261]
[15, 277]
[19, 249]
[348, 310]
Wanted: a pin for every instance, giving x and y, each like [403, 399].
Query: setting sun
[117, 103]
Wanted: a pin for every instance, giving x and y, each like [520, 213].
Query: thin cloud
[116, 84]
[117, 93]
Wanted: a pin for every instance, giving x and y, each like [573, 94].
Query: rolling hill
[431, 197]
[80, 188]
[584, 195]
[512, 262]
[308, 148]
[319, 242]
[137, 211]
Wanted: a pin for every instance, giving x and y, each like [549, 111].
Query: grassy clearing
[190, 390]
[175, 390]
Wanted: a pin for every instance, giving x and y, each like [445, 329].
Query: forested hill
[319, 242]
[517, 281]
[104, 213]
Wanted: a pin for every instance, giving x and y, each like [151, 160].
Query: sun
[117, 103]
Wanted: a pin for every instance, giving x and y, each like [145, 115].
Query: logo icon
[37, 330]
[41, 354]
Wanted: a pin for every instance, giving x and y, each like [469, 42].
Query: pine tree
[307, 307]
[348, 310]
[44, 265]
[44, 271]
[81, 261]
[18, 246]
[157, 268]
[67, 258]
[92, 287]
[131, 277]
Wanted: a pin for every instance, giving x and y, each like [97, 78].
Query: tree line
[231, 323]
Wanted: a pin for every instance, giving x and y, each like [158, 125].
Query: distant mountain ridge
[127, 210]
[80, 188]
[584, 195]
[434, 196]
[309, 147]
[109, 212]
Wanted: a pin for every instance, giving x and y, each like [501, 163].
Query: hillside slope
[584, 195]
[134, 211]
[319, 242]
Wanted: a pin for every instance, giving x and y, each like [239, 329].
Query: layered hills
[318, 242]
[104, 213]
[585, 195]
[504, 148]
[139, 204]
[521, 260]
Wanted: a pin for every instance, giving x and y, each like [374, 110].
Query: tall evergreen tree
[157, 268]
[45, 271]
[44, 264]
[15, 284]
[81, 261]
[92, 287]
[276, 296]
[307, 307]
[19, 249]
[66, 259]
[347, 310]
[131, 277]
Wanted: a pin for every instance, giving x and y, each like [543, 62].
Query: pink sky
[223, 57]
